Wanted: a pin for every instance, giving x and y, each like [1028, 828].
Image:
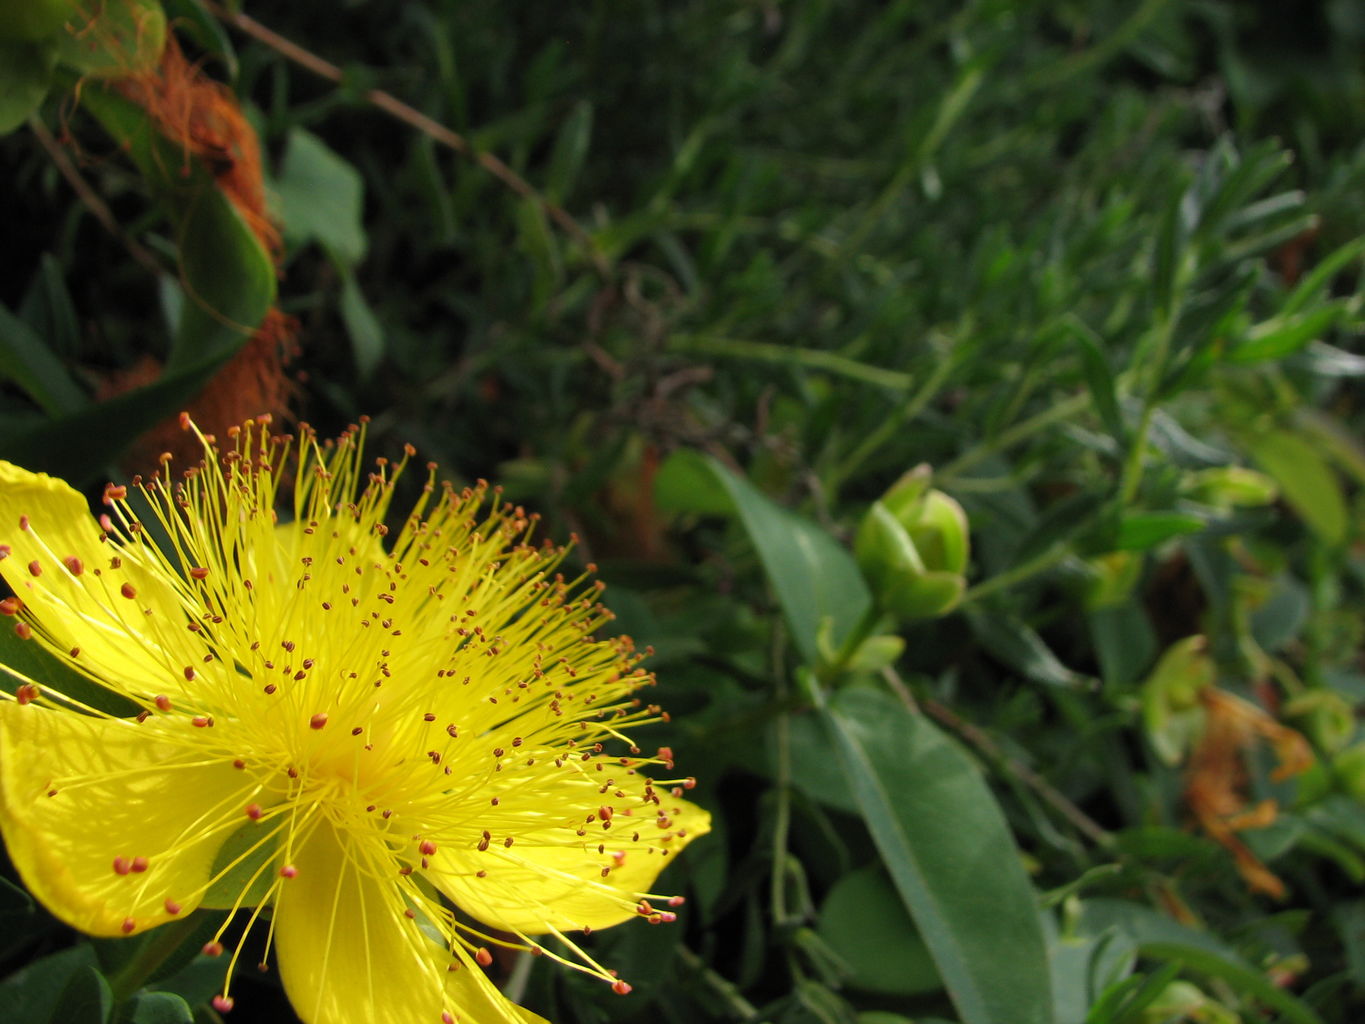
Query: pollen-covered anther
[253, 811]
[172, 907]
[23, 630]
[139, 865]
[189, 673]
[212, 949]
[34, 569]
[289, 871]
[199, 573]
[446, 1018]
[318, 720]
[201, 721]
[73, 565]
[122, 866]
[223, 1003]
[128, 590]
[621, 988]
[162, 702]
[676, 901]
[127, 926]
[483, 956]
[427, 847]
[11, 605]
[26, 693]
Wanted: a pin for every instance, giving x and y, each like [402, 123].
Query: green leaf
[32, 20]
[159, 1008]
[28, 361]
[29, 659]
[25, 74]
[321, 198]
[1306, 481]
[193, 20]
[32, 994]
[863, 921]
[362, 327]
[571, 148]
[87, 999]
[1099, 378]
[1284, 335]
[816, 580]
[1020, 647]
[1142, 531]
[945, 843]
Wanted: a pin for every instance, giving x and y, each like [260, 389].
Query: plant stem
[160, 944]
[1021, 431]
[1044, 560]
[740, 1007]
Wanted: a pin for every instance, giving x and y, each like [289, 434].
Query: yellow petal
[540, 884]
[76, 595]
[83, 800]
[347, 953]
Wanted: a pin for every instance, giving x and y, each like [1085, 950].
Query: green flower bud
[1171, 712]
[912, 547]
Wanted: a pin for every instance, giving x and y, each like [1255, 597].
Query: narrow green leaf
[1281, 336]
[362, 327]
[27, 361]
[191, 18]
[1321, 275]
[1142, 531]
[571, 148]
[1242, 978]
[1020, 647]
[1099, 378]
[945, 843]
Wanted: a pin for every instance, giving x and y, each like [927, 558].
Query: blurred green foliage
[1095, 264]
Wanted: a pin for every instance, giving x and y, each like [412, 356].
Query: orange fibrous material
[1216, 777]
[203, 119]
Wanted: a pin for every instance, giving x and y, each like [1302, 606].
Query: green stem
[728, 991]
[160, 944]
[1021, 431]
[1132, 467]
[787, 355]
[1040, 562]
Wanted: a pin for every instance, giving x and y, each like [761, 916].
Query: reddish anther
[139, 865]
[128, 590]
[162, 702]
[73, 565]
[621, 988]
[253, 811]
[318, 720]
[212, 949]
[26, 692]
[172, 907]
[23, 630]
[427, 847]
[289, 871]
[483, 957]
[34, 569]
[128, 925]
[122, 866]
[223, 1003]
[199, 573]
[11, 606]
[189, 673]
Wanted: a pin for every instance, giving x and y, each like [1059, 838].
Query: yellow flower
[358, 730]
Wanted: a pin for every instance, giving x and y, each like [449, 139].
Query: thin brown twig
[428, 126]
[87, 195]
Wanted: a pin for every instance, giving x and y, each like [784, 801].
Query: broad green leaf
[1124, 641]
[193, 20]
[25, 74]
[1142, 531]
[86, 999]
[108, 38]
[321, 198]
[33, 20]
[32, 994]
[863, 921]
[159, 1008]
[686, 485]
[816, 580]
[945, 843]
[1306, 481]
